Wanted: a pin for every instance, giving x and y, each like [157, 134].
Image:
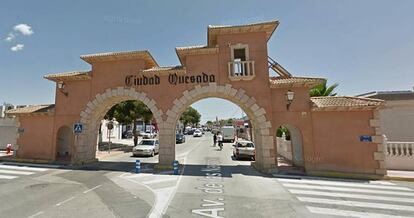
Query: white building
[397, 123]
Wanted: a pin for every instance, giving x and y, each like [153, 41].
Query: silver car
[146, 147]
[244, 148]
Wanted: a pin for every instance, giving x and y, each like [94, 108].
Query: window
[240, 67]
[239, 54]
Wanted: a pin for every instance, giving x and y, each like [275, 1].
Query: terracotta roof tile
[31, 109]
[287, 82]
[344, 103]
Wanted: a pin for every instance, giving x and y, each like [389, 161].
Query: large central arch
[85, 143]
[265, 161]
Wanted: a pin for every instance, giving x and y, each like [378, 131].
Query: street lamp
[61, 86]
[290, 95]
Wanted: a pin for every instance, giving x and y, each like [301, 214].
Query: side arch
[265, 160]
[64, 142]
[85, 143]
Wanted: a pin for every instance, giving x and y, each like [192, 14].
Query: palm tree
[323, 90]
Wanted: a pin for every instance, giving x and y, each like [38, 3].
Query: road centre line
[36, 214]
[92, 189]
[65, 201]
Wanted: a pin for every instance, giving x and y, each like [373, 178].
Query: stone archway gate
[97, 108]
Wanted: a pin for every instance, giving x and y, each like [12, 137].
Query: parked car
[197, 133]
[179, 138]
[146, 147]
[190, 132]
[244, 148]
[147, 135]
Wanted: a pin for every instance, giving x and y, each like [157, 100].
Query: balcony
[241, 70]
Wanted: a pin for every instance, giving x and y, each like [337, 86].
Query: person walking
[220, 140]
[214, 140]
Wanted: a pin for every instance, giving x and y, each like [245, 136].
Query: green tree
[128, 112]
[190, 116]
[323, 90]
[209, 123]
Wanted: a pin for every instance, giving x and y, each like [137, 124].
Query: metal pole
[109, 144]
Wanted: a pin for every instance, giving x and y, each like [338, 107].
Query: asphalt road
[210, 184]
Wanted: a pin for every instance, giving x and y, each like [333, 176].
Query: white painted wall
[284, 148]
[116, 132]
[8, 132]
[397, 120]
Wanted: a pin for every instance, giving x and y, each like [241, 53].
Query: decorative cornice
[213, 31]
[69, 76]
[125, 55]
[183, 52]
[165, 70]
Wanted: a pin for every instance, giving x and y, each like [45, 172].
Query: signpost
[77, 128]
[365, 138]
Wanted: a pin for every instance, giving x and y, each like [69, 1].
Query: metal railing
[241, 70]
[402, 149]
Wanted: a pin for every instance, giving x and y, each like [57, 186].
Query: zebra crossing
[9, 172]
[352, 198]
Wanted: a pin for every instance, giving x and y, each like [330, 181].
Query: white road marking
[349, 213]
[345, 184]
[380, 182]
[65, 201]
[159, 180]
[356, 204]
[16, 172]
[341, 189]
[7, 177]
[350, 195]
[162, 201]
[32, 165]
[36, 214]
[22, 168]
[92, 189]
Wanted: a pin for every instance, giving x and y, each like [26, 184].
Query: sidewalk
[400, 175]
[3, 154]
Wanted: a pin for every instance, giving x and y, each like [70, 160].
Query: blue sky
[362, 45]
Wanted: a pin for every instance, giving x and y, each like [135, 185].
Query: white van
[229, 133]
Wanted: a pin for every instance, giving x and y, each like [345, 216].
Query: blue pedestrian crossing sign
[77, 128]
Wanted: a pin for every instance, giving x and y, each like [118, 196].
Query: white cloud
[17, 47]
[23, 29]
[10, 37]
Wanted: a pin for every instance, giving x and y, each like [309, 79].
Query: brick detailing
[378, 139]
